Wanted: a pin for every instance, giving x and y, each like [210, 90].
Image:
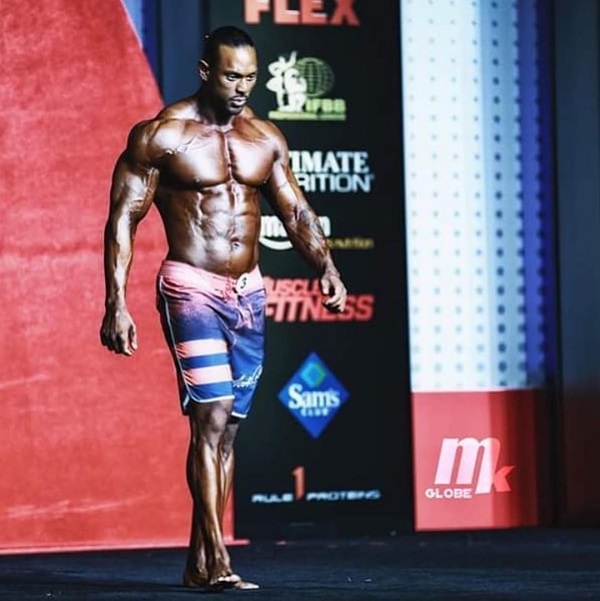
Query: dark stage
[540, 564]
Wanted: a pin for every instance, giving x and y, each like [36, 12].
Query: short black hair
[228, 35]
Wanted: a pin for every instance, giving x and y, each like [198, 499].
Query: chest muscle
[200, 162]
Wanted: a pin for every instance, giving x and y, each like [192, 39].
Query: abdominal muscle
[216, 229]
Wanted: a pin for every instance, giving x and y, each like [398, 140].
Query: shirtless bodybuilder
[205, 161]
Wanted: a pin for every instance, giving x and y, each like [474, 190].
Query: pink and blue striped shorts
[214, 326]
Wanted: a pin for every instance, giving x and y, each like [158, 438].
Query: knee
[226, 449]
[228, 438]
[209, 425]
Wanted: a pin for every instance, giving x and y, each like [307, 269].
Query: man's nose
[243, 86]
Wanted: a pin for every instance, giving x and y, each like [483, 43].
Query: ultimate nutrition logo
[300, 87]
[332, 171]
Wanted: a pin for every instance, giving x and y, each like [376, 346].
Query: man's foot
[242, 585]
[230, 581]
[233, 581]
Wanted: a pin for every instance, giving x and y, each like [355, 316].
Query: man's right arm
[134, 182]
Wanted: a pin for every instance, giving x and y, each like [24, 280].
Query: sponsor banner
[297, 300]
[287, 12]
[301, 86]
[476, 459]
[313, 395]
[329, 171]
[331, 412]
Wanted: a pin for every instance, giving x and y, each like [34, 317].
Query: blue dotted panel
[535, 94]
[464, 194]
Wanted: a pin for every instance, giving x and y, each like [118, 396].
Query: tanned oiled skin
[205, 161]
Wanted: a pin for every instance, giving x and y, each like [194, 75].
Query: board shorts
[214, 326]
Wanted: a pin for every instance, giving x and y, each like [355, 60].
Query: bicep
[132, 189]
[283, 192]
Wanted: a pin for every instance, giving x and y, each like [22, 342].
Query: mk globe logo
[313, 395]
[300, 86]
[468, 466]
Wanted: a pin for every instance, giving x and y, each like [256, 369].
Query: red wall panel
[93, 445]
[480, 459]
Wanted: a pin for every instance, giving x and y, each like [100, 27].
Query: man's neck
[208, 114]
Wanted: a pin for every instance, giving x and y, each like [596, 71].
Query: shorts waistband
[213, 282]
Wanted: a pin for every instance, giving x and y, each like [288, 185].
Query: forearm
[298, 217]
[308, 238]
[118, 254]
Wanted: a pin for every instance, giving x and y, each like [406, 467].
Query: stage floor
[507, 565]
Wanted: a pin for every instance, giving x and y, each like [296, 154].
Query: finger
[120, 344]
[335, 303]
[109, 340]
[326, 287]
[336, 295]
[111, 343]
[133, 337]
[127, 348]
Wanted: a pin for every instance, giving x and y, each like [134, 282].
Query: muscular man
[205, 161]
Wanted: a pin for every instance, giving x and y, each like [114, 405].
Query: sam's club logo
[313, 395]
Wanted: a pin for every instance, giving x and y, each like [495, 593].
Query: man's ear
[203, 69]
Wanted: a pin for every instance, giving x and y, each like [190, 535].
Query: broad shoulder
[264, 128]
[151, 139]
[182, 110]
[263, 125]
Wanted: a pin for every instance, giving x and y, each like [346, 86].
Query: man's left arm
[302, 225]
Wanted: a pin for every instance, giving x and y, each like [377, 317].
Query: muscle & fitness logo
[299, 300]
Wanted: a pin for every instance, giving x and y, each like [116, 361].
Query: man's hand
[118, 332]
[334, 292]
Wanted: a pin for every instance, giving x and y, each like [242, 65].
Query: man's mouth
[238, 100]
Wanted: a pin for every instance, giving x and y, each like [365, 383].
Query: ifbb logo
[309, 13]
[469, 466]
[300, 86]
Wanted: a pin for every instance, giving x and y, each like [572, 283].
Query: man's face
[232, 78]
